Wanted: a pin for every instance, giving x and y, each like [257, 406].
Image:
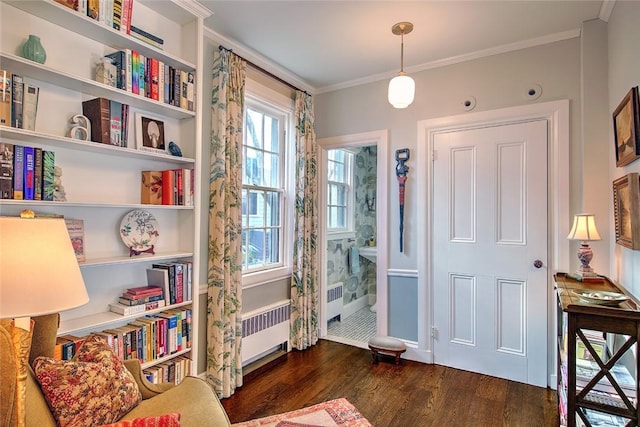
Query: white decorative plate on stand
[139, 232]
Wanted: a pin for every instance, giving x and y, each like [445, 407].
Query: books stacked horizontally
[167, 187]
[26, 173]
[138, 300]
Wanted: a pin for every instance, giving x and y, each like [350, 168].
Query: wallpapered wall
[363, 283]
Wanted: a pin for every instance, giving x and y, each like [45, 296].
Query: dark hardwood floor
[411, 394]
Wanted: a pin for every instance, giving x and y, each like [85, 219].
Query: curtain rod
[263, 71]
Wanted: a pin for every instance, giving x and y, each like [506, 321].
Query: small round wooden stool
[386, 345]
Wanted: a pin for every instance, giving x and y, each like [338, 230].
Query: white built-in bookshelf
[102, 182]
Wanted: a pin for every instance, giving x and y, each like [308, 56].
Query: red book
[154, 78]
[168, 184]
[143, 290]
[179, 187]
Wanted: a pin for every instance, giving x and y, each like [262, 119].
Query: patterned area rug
[338, 412]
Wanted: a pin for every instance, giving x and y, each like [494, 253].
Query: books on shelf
[108, 121]
[5, 97]
[18, 101]
[152, 78]
[167, 187]
[6, 170]
[179, 274]
[128, 310]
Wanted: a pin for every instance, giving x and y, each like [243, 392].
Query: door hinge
[434, 332]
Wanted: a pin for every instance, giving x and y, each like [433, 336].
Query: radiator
[265, 330]
[334, 301]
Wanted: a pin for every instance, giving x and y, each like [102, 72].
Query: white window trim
[255, 92]
[349, 231]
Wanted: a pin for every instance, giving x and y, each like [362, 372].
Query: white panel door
[490, 227]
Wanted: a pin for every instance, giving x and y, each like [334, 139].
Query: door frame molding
[556, 113]
[379, 138]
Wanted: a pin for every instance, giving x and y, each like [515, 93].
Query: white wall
[624, 73]
[496, 82]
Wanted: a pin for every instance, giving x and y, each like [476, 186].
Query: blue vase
[33, 50]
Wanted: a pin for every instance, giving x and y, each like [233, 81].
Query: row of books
[115, 14]
[167, 187]
[18, 101]
[109, 121]
[152, 78]
[175, 278]
[172, 371]
[146, 338]
[26, 173]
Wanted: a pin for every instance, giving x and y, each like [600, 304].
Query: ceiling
[327, 45]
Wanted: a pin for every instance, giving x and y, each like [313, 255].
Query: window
[339, 192]
[264, 192]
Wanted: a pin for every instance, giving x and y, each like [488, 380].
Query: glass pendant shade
[401, 91]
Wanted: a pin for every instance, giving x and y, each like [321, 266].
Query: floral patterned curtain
[224, 295]
[304, 283]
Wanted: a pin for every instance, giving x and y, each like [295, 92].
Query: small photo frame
[626, 210]
[626, 129]
[150, 133]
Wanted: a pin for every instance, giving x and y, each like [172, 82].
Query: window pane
[272, 170]
[255, 250]
[341, 195]
[256, 206]
[331, 171]
[273, 246]
[254, 129]
[336, 155]
[271, 137]
[273, 209]
[253, 167]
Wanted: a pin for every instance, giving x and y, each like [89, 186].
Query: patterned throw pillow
[165, 420]
[93, 388]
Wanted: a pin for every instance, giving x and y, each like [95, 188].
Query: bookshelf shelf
[103, 182]
[98, 262]
[65, 17]
[97, 204]
[164, 359]
[105, 319]
[38, 138]
[588, 388]
[89, 87]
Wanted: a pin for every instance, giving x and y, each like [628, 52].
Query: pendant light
[402, 87]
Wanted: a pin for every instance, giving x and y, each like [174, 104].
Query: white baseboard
[354, 306]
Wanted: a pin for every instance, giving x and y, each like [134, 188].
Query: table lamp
[584, 228]
[39, 274]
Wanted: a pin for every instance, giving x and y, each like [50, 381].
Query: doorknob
[537, 263]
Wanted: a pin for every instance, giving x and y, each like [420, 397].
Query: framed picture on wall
[150, 133]
[626, 129]
[626, 210]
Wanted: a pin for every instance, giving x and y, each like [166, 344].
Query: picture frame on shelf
[626, 129]
[150, 134]
[626, 210]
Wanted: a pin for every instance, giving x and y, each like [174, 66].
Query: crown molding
[260, 60]
[510, 47]
[606, 8]
[195, 8]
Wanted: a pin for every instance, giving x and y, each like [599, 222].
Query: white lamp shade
[39, 272]
[401, 91]
[584, 228]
